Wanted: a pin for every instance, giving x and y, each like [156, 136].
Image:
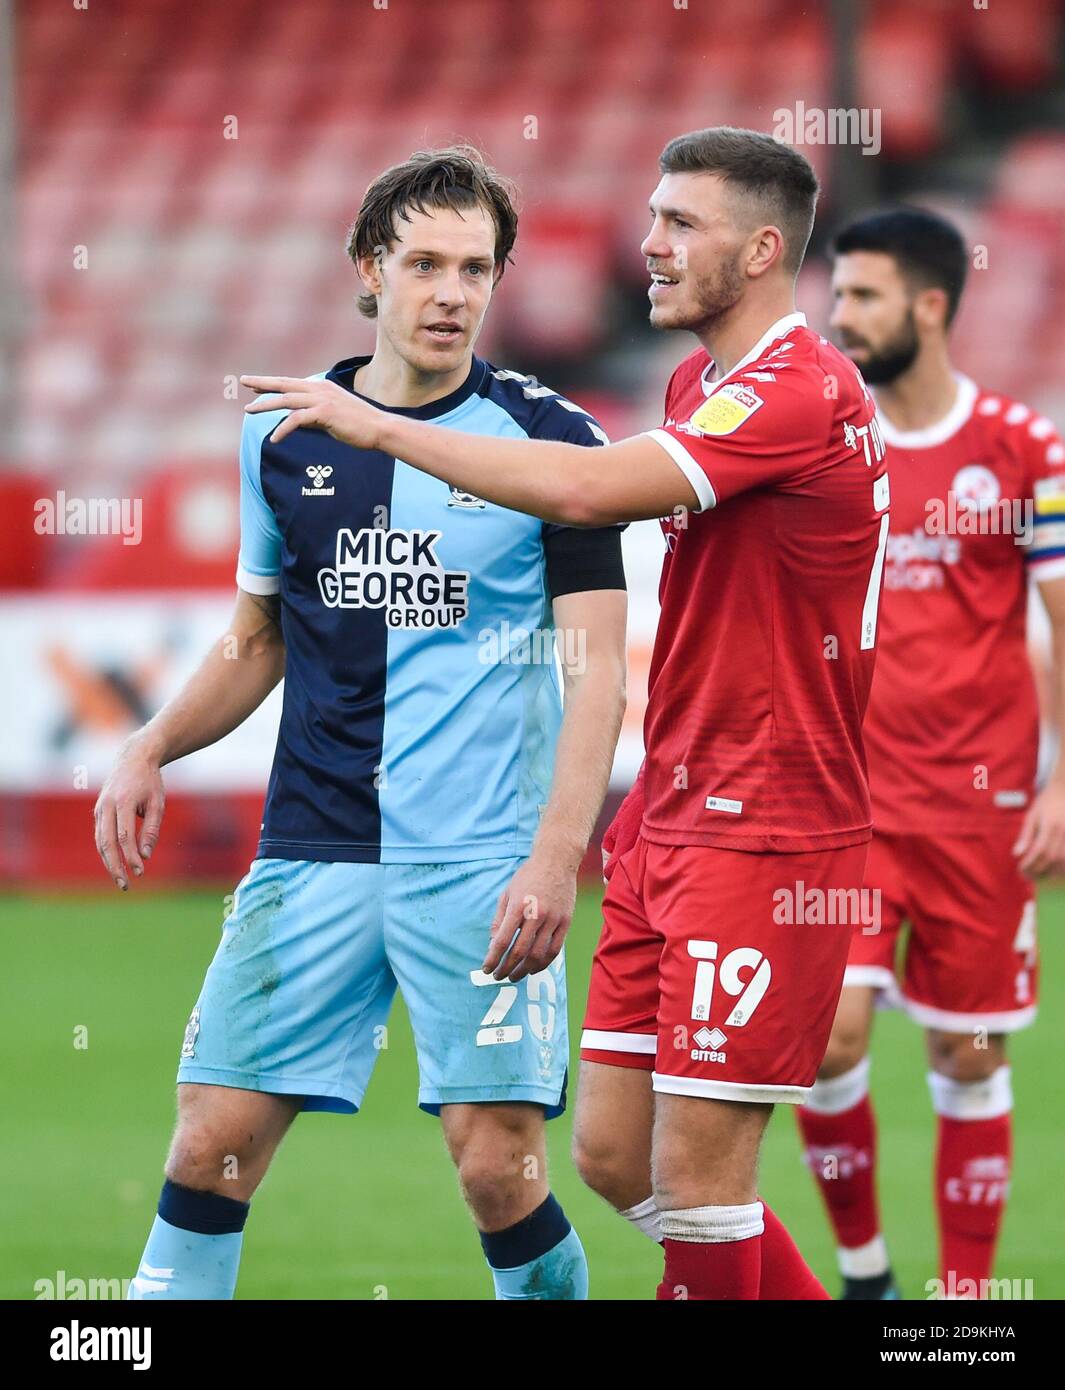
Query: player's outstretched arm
[630, 481]
[234, 679]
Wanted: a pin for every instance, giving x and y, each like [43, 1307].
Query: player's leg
[704, 1170]
[971, 1095]
[492, 1060]
[287, 1019]
[750, 981]
[612, 1140]
[615, 1102]
[838, 1127]
[222, 1146]
[837, 1122]
[500, 1156]
[971, 978]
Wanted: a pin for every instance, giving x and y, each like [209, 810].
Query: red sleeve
[750, 433]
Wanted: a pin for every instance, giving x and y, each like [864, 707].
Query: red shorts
[719, 970]
[971, 959]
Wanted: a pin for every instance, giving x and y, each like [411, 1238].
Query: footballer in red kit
[755, 781]
[738, 857]
[952, 731]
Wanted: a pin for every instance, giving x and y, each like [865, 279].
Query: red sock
[972, 1183]
[840, 1150]
[712, 1253]
[785, 1274]
[722, 1269]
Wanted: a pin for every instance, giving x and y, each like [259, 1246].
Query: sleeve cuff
[1051, 568]
[258, 583]
[687, 465]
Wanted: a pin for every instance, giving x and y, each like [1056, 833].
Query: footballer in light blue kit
[429, 803]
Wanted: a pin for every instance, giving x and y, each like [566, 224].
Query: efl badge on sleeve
[726, 410]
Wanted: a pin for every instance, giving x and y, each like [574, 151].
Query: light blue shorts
[297, 997]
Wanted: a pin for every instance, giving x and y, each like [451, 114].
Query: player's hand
[532, 917]
[133, 790]
[318, 405]
[624, 830]
[1040, 848]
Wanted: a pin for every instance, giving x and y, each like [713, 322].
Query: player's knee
[495, 1183]
[846, 1048]
[196, 1159]
[498, 1152]
[608, 1170]
[965, 1056]
[843, 1054]
[211, 1151]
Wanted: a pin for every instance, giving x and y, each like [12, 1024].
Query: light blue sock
[186, 1261]
[541, 1257]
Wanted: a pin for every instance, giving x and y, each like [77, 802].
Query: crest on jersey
[459, 498]
[726, 410]
[192, 1028]
[976, 487]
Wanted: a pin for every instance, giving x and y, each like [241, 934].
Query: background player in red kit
[978, 506]
[714, 987]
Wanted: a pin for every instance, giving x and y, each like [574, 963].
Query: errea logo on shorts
[708, 1043]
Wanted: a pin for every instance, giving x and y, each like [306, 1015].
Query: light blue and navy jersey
[421, 702]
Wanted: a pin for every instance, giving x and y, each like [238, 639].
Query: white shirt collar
[943, 429]
[780, 329]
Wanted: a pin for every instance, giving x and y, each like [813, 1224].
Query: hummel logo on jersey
[459, 498]
[398, 571]
[318, 474]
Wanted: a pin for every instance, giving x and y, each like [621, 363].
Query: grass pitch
[366, 1206]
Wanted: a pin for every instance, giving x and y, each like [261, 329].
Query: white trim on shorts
[642, 1044]
[879, 976]
[949, 1022]
[728, 1090]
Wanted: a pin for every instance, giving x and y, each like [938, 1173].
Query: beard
[714, 295]
[888, 362]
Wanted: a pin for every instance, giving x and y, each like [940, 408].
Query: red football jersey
[764, 653]
[977, 501]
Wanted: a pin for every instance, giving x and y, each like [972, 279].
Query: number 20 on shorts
[493, 1030]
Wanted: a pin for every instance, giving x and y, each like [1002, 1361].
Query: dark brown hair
[457, 177]
[776, 180]
[927, 248]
